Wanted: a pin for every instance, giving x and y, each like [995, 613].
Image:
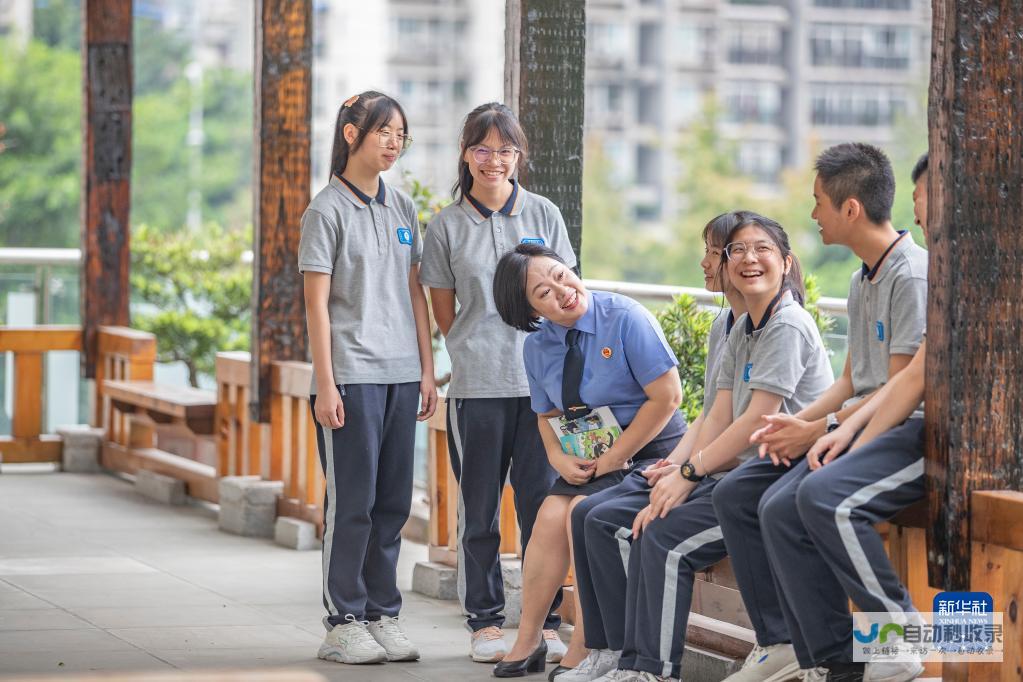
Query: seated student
[593, 350]
[605, 640]
[774, 361]
[882, 474]
[854, 190]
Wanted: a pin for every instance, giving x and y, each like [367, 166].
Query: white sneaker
[775, 663]
[813, 674]
[615, 675]
[351, 643]
[644, 676]
[893, 671]
[556, 649]
[393, 639]
[488, 645]
[598, 662]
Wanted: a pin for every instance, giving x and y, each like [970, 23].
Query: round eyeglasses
[505, 155]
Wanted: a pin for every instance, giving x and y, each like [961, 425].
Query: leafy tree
[40, 105]
[193, 291]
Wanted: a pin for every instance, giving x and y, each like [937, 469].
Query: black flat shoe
[536, 663]
[557, 671]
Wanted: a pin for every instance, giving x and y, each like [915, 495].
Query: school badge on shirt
[746, 372]
[606, 352]
[404, 235]
[539, 241]
[879, 325]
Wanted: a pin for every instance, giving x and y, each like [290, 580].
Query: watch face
[688, 472]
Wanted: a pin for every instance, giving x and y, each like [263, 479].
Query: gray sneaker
[393, 639]
[598, 663]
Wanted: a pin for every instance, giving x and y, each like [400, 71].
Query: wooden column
[975, 313]
[545, 67]
[106, 169]
[283, 71]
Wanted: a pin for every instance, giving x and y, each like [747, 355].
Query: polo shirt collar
[877, 273]
[587, 323]
[730, 322]
[783, 299]
[512, 207]
[359, 198]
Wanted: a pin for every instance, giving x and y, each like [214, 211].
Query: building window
[760, 160]
[606, 41]
[834, 104]
[694, 44]
[649, 44]
[860, 46]
[685, 103]
[752, 102]
[750, 43]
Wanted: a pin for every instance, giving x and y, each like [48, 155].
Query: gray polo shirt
[887, 311]
[784, 356]
[716, 340]
[367, 245]
[462, 246]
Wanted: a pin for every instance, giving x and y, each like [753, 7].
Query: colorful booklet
[589, 436]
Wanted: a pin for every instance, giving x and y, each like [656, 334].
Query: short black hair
[920, 168]
[860, 171]
[510, 285]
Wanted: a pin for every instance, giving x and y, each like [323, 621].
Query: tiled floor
[94, 577]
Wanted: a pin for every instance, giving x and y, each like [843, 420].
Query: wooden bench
[150, 413]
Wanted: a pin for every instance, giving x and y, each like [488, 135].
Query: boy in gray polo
[854, 191]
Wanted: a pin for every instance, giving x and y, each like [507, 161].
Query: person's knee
[726, 497]
[777, 510]
[814, 500]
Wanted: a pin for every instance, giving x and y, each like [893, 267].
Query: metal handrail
[661, 293]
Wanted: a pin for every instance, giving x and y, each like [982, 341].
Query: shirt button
[497, 229]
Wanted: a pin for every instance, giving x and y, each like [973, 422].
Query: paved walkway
[94, 577]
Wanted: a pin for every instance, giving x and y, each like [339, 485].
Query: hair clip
[350, 101]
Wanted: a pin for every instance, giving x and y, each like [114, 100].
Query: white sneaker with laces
[393, 639]
[645, 676]
[556, 649]
[488, 645]
[775, 663]
[351, 643]
[615, 675]
[892, 671]
[598, 663]
[813, 674]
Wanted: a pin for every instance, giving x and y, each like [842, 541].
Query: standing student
[605, 636]
[491, 428]
[854, 190]
[593, 350]
[775, 360]
[839, 504]
[369, 334]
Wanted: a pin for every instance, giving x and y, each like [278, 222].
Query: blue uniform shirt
[623, 348]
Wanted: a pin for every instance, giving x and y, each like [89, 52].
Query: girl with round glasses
[492, 431]
[369, 335]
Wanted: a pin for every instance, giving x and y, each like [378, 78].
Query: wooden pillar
[283, 71]
[975, 313]
[106, 169]
[545, 68]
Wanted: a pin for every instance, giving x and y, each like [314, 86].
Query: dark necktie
[572, 378]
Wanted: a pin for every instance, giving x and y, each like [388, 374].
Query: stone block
[248, 505]
[511, 571]
[81, 448]
[160, 488]
[434, 580]
[295, 534]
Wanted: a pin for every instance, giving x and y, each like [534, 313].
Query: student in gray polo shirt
[369, 335]
[854, 191]
[774, 360]
[491, 426]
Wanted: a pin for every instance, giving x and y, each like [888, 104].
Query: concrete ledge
[160, 488]
[511, 571]
[701, 665]
[81, 448]
[295, 534]
[248, 505]
[437, 581]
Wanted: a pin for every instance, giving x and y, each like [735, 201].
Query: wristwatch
[832, 421]
[688, 472]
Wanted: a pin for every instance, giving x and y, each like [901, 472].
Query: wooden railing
[294, 457]
[27, 442]
[239, 439]
[123, 354]
[443, 491]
